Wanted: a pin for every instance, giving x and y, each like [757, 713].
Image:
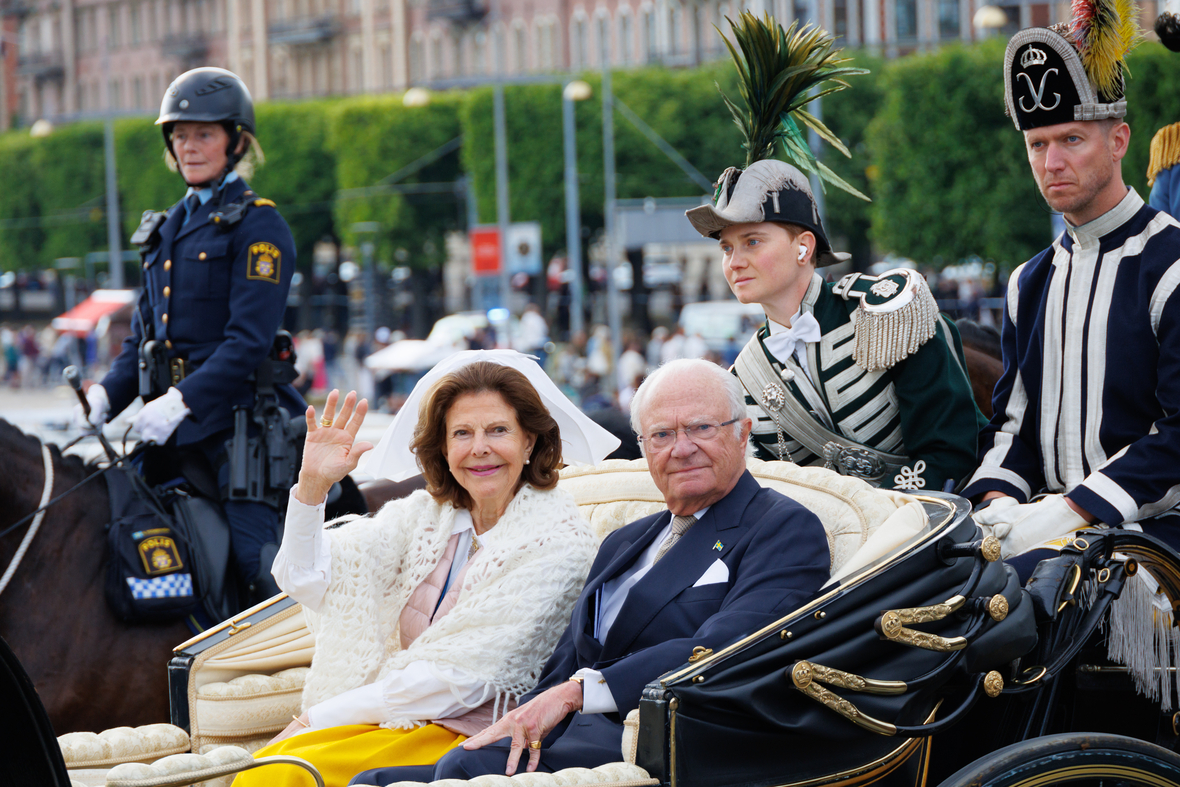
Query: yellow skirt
[339, 753]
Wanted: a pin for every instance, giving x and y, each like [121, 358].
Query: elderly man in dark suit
[726, 557]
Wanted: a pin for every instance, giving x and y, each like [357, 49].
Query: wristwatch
[578, 680]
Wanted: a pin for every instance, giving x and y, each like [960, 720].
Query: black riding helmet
[209, 95]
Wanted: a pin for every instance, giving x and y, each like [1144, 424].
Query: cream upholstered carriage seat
[615, 492]
[245, 690]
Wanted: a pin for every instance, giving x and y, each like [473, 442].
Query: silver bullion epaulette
[896, 315]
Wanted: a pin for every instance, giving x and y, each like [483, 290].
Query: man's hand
[159, 418]
[530, 723]
[1021, 527]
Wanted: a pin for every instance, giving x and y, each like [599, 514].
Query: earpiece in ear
[802, 252]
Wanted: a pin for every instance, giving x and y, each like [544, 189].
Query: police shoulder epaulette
[1165, 151]
[148, 226]
[896, 315]
[233, 213]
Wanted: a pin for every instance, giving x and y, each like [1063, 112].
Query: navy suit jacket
[777, 554]
[218, 298]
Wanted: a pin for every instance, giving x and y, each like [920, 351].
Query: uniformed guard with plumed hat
[217, 269]
[863, 376]
[1087, 409]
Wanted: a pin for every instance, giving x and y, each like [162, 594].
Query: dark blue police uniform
[215, 298]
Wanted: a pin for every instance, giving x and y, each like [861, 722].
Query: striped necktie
[680, 526]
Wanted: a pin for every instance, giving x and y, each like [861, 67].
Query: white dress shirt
[596, 694]
[425, 690]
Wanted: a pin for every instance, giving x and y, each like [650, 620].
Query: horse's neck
[23, 486]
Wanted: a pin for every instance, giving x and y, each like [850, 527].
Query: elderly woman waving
[432, 615]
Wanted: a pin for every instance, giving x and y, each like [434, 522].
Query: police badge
[263, 263]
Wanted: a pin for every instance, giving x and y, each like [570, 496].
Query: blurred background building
[70, 59]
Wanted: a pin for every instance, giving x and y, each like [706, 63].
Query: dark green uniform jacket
[921, 408]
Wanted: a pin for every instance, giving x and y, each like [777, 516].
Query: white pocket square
[718, 572]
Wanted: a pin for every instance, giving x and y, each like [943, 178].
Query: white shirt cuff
[596, 695]
[362, 705]
[303, 565]
[422, 691]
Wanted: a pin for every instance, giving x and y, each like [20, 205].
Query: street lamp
[576, 90]
[368, 230]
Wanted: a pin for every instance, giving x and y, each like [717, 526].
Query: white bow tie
[804, 328]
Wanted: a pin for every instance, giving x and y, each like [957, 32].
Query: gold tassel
[1165, 151]
[885, 338]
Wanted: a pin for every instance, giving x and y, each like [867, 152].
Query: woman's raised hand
[331, 450]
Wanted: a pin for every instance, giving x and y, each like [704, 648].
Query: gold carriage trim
[804, 679]
[804, 672]
[892, 626]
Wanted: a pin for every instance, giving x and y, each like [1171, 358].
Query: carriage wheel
[1077, 759]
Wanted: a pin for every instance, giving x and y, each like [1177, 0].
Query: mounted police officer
[217, 267]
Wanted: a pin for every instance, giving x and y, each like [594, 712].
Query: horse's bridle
[38, 516]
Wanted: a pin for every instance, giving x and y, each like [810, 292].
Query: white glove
[1024, 527]
[1000, 514]
[159, 418]
[100, 407]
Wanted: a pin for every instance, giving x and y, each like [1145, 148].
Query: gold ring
[535, 745]
[326, 422]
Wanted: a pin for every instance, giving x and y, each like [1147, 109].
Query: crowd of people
[32, 358]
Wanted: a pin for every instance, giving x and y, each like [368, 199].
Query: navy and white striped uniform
[1089, 401]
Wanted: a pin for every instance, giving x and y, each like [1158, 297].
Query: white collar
[1091, 232]
[206, 194]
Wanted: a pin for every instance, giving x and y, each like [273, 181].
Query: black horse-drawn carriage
[923, 656]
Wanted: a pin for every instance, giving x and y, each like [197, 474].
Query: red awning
[82, 319]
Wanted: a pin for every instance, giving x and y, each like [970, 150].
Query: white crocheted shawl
[514, 604]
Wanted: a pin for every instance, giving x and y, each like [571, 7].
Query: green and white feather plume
[779, 73]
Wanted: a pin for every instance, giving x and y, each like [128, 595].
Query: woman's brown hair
[430, 435]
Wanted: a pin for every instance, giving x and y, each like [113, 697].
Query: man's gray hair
[735, 394]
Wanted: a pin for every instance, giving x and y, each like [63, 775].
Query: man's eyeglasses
[698, 433]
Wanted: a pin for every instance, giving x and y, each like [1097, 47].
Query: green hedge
[373, 138]
[952, 179]
[19, 242]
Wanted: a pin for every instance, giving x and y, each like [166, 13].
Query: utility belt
[158, 372]
[264, 450]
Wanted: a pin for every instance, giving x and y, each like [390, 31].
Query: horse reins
[39, 516]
